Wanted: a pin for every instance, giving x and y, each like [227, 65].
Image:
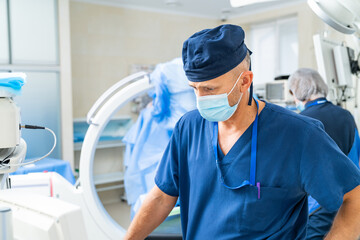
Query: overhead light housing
[243, 3]
[342, 15]
[173, 3]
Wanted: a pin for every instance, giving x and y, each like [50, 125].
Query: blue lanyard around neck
[253, 154]
[319, 102]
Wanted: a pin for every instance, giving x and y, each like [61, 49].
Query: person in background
[309, 91]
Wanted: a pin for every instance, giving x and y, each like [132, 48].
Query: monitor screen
[275, 91]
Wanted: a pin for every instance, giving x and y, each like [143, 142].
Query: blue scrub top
[293, 155]
[338, 122]
[341, 127]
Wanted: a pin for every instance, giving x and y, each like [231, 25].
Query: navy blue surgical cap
[211, 53]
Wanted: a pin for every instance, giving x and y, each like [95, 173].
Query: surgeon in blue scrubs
[309, 91]
[243, 169]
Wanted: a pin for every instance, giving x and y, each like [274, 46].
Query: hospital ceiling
[215, 9]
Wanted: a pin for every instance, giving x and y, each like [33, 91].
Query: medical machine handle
[106, 95]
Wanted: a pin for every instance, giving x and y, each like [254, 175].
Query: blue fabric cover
[12, 82]
[148, 137]
[295, 158]
[211, 53]
[62, 167]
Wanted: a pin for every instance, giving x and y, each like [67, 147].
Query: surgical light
[342, 15]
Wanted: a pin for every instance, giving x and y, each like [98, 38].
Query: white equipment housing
[6, 229]
[334, 66]
[9, 123]
[97, 222]
[342, 15]
[12, 148]
[43, 218]
[278, 92]
[343, 70]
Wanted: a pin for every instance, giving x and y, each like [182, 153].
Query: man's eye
[209, 89]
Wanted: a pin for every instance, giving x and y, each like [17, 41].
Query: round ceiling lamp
[339, 14]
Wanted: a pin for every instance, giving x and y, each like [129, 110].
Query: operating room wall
[106, 41]
[308, 25]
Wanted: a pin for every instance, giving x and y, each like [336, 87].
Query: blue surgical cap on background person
[211, 53]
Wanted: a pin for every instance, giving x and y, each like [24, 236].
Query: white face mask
[216, 108]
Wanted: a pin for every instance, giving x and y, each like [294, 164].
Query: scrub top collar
[250, 182]
[315, 102]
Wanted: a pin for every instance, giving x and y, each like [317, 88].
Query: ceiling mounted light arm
[342, 15]
[242, 3]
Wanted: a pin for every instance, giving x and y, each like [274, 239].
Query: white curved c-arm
[98, 117]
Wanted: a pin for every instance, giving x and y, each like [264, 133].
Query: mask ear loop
[235, 84]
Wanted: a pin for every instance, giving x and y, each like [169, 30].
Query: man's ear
[247, 78]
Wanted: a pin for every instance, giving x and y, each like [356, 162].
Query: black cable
[32, 127]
